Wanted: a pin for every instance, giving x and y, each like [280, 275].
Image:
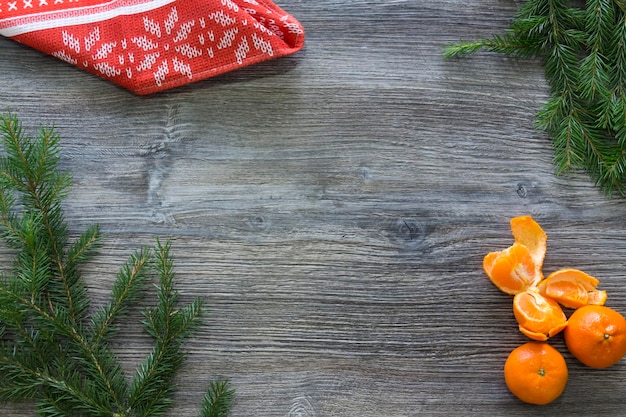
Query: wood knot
[258, 223]
[410, 231]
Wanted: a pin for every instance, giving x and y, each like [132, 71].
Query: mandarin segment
[572, 288]
[512, 270]
[597, 298]
[538, 317]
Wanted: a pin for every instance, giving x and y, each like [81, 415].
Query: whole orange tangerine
[536, 373]
[596, 336]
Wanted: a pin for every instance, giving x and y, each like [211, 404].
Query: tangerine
[536, 373]
[518, 267]
[512, 270]
[596, 336]
[538, 317]
[572, 288]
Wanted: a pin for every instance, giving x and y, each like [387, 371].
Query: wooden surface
[334, 207]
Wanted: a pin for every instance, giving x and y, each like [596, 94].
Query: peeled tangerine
[538, 317]
[512, 270]
[518, 267]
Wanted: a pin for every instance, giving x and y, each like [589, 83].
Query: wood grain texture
[334, 207]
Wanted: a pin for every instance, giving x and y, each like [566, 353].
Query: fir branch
[30, 171]
[127, 289]
[52, 351]
[506, 45]
[169, 326]
[18, 381]
[594, 74]
[218, 400]
[615, 118]
[98, 362]
[583, 50]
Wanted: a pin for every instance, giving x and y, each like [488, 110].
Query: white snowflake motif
[188, 50]
[65, 57]
[148, 61]
[152, 27]
[161, 73]
[228, 38]
[71, 41]
[94, 36]
[294, 28]
[171, 20]
[262, 45]
[242, 50]
[144, 43]
[175, 51]
[107, 69]
[222, 18]
[104, 50]
[231, 6]
[183, 32]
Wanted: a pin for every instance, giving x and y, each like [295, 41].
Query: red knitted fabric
[152, 45]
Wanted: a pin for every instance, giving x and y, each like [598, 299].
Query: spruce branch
[127, 289]
[169, 326]
[53, 351]
[218, 400]
[583, 51]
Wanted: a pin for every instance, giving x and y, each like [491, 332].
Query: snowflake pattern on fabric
[152, 45]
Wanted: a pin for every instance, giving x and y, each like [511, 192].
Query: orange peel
[527, 232]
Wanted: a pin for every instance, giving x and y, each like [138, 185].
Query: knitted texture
[152, 45]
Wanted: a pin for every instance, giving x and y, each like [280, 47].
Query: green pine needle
[52, 351]
[218, 400]
[583, 50]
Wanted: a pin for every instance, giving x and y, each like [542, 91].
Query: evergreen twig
[218, 399]
[52, 351]
[583, 50]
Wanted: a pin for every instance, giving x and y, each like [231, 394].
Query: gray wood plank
[334, 207]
